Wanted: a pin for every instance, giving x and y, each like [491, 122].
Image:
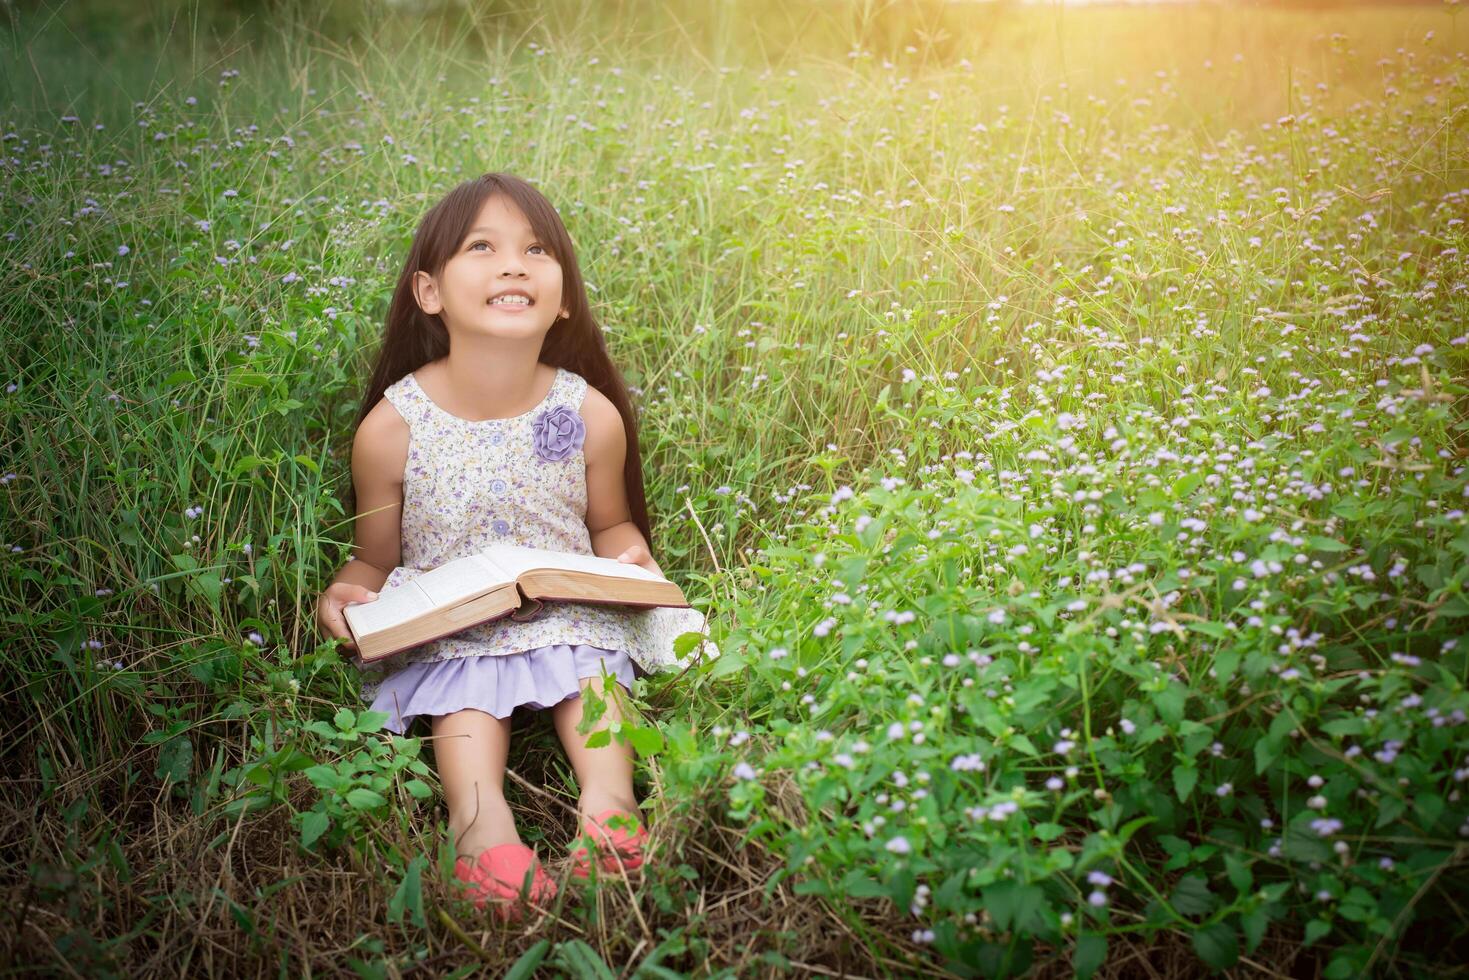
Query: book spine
[529, 608]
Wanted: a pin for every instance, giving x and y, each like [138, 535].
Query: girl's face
[499, 257]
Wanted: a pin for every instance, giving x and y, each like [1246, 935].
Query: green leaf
[251, 379]
[1239, 873]
[647, 741]
[684, 643]
[1315, 929]
[1011, 903]
[208, 586]
[324, 778]
[1397, 434]
[1184, 779]
[370, 721]
[1132, 826]
[1217, 630]
[525, 967]
[1254, 923]
[1345, 726]
[1266, 752]
[1389, 810]
[953, 887]
[580, 960]
[858, 885]
[1192, 896]
[1430, 807]
[1300, 843]
[1217, 945]
[362, 798]
[1169, 703]
[1275, 891]
[175, 759]
[409, 894]
[293, 760]
[1024, 744]
[1090, 954]
[418, 789]
[1048, 831]
[344, 719]
[313, 825]
[246, 464]
[728, 662]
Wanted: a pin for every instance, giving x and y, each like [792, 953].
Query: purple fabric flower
[558, 432]
[501, 527]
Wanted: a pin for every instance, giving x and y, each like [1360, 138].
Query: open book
[501, 580]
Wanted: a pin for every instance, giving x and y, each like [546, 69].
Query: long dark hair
[413, 338]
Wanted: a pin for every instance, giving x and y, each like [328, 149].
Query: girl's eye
[477, 244]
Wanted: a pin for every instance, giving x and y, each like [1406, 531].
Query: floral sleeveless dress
[522, 480]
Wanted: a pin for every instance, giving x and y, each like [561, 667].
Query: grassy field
[1062, 414]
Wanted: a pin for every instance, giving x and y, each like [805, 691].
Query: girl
[494, 414]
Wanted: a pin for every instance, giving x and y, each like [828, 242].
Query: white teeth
[517, 300]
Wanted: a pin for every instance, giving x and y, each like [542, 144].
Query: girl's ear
[426, 291]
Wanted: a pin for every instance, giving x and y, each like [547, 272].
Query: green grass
[1065, 421]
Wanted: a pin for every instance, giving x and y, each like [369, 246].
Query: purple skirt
[497, 685]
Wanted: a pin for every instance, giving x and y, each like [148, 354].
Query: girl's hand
[329, 610]
[638, 555]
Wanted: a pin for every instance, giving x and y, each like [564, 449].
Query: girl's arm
[609, 518]
[379, 454]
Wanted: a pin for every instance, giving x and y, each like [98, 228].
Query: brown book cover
[502, 580]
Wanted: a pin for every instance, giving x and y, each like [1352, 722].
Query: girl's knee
[472, 726]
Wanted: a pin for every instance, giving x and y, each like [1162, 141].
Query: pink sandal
[498, 875]
[613, 839]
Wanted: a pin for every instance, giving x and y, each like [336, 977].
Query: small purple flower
[557, 433]
[1326, 826]
[501, 526]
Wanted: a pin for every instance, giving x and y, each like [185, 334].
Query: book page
[514, 559]
[457, 580]
[388, 609]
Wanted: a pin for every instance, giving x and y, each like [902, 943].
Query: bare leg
[605, 773]
[470, 747]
